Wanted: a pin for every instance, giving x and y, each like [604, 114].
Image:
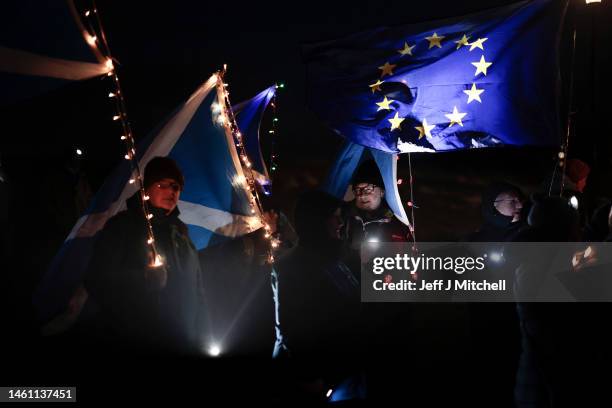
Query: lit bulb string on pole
[412, 225]
[570, 115]
[255, 202]
[127, 135]
[274, 133]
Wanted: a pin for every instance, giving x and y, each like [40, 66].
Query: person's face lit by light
[164, 194]
[509, 204]
[368, 196]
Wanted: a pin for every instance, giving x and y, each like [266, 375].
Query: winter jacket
[134, 309]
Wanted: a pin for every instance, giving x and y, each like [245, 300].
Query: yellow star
[434, 40]
[455, 117]
[376, 86]
[424, 130]
[387, 69]
[477, 44]
[462, 41]
[385, 104]
[481, 66]
[407, 50]
[396, 121]
[473, 93]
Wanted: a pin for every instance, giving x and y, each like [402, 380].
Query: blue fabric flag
[350, 157]
[214, 204]
[248, 117]
[487, 79]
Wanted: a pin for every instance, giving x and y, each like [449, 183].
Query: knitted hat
[368, 173]
[160, 168]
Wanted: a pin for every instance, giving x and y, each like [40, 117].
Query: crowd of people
[306, 310]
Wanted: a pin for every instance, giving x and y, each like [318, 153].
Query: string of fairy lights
[228, 120]
[272, 132]
[97, 38]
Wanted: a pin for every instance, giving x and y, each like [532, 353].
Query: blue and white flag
[44, 44]
[487, 79]
[215, 203]
[248, 117]
[348, 160]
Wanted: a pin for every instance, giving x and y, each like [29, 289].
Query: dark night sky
[167, 49]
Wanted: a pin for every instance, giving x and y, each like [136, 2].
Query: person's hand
[583, 259]
[271, 218]
[156, 274]
[156, 277]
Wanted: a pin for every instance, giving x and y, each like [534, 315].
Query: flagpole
[127, 135]
[570, 114]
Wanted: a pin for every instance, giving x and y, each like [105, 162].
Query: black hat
[368, 173]
[160, 168]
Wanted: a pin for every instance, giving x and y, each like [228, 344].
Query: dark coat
[134, 309]
[382, 225]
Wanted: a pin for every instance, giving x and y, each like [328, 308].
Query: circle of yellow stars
[473, 93]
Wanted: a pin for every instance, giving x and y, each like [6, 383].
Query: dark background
[167, 49]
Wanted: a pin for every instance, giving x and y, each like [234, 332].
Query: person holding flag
[149, 302]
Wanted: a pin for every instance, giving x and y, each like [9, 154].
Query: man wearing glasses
[148, 303]
[368, 218]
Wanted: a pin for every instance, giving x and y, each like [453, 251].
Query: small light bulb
[574, 202]
[329, 393]
[496, 256]
[158, 261]
[79, 152]
[92, 39]
[238, 134]
[149, 216]
[150, 241]
[146, 198]
[399, 181]
[123, 137]
[116, 117]
[127, 157]
[561, 155]
[111, 95]
[274, 244]
[271, 131]
[87, 13]
[132, 181]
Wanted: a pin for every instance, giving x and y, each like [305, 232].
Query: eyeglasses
[176, 187]
[511, 200]
[358, 191]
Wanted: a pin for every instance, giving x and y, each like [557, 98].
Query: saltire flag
[248, 117]
[215, 203]
[486, 79]
[350, 157]
[43, 45]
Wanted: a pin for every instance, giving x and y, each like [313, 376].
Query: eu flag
[487, 79]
